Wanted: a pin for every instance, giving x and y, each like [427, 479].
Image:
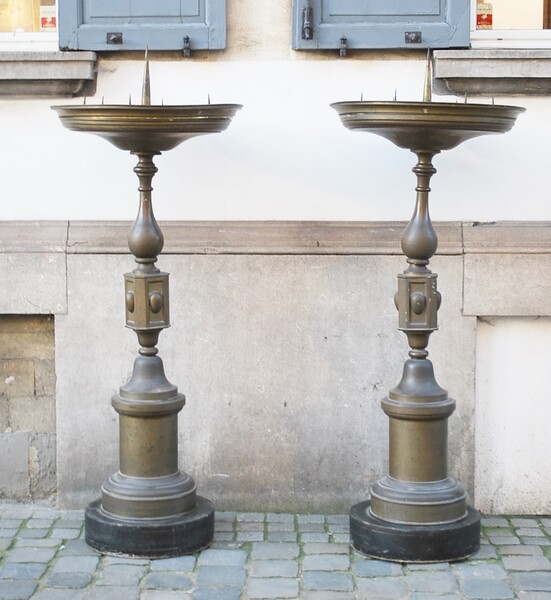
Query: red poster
[484, 16]
[47, 23]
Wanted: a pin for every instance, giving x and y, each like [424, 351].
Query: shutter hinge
[186, 50]
[307, 22]
[343, 48]
[413, 37]
[113, 37]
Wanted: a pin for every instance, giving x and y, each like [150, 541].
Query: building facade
[283, 244]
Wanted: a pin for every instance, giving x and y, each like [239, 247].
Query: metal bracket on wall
[186, 50]
[307, 22]
[413, 37]
[344, 47]
[114, 37]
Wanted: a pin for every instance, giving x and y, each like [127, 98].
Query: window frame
[29, 41]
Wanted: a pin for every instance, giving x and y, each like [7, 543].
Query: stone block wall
[284, 336]
[27, 407]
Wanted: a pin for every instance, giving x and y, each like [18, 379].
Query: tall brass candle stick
[149, 507]
[418, 513]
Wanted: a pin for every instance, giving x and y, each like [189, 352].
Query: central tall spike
[146, 87]
[427, 91]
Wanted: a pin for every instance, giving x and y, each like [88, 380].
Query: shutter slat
[364, 9]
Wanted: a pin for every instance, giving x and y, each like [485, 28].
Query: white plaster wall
[513, 412]
[286, 156]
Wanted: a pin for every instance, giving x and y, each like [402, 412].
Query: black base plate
[151, 538]
[413, 543]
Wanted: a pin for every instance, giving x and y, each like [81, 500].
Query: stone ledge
[493, 72]
[273, 237]
[47, 73]
[507, 237]
[33, 236]
[260, 237]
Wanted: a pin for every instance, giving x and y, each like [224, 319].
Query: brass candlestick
[149, 507]
[418, 513]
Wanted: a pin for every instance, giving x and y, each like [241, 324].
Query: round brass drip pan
[147, 128]
[428, 126]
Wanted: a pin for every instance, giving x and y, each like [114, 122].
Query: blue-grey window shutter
[137, 24]
[320, 24]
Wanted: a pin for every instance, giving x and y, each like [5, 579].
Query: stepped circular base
[413, 543]
[150, 538]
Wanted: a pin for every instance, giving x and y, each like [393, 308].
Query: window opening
[512, 15]
[28, 16]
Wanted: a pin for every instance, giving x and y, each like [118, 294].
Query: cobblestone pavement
[264, 555]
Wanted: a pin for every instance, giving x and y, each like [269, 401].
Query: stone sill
[47, 73]
[492, 72]
[273, 237]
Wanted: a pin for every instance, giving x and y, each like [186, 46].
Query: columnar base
[151, 538]
[413, 543]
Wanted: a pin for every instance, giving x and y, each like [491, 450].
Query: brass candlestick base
[149, 507]
[417, 513]
[150, 538]
[398, 542]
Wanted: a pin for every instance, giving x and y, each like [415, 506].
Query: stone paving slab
[269, 556]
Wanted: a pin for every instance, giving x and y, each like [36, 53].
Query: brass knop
[156, 302]
[147, 304]
[418, 302]
[130, 304]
